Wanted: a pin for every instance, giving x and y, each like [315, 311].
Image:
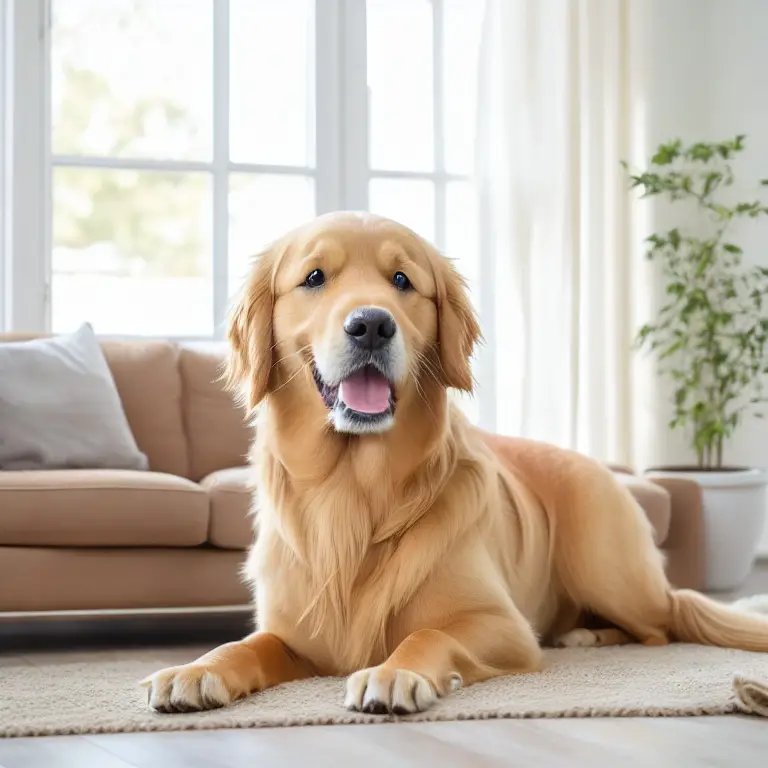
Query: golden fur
[433, 554]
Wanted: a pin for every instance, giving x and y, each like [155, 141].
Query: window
[422, 75]
[157, 144]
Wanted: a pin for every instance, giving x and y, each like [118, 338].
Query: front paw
[382, 690]
[188, 688]
[578, 638]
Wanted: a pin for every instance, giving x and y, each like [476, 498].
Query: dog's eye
[315, 279]
[401, 282]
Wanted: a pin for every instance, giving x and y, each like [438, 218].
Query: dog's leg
[430, 663]
[226, 674]
[593, 638]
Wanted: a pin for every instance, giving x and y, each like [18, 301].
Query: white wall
[671, 38]
[707, 78]
[738, 67]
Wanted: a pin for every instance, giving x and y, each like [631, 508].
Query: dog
[396, 544]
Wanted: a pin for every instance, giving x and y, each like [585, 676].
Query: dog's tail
[698, 619]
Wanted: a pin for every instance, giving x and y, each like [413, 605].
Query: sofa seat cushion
[230, 492]
[653, 499]
[101, 508]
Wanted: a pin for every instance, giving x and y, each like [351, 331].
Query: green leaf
[700, 151]
[676, 289]
[644, 331]
[722, 211]
[671, 349]
[666, 153]
[674, 238]
[731, 248]
[705, 260]
[712, 179]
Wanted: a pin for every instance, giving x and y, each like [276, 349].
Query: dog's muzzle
[358, 387]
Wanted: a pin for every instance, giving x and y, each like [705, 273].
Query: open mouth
[365, 394]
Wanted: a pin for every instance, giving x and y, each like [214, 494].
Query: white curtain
[555, 120]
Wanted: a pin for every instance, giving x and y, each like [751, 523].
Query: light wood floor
[657, 742]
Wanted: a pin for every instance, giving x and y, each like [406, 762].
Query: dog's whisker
[428, 367]
[290, 354]
[303, 368]
[422, 394]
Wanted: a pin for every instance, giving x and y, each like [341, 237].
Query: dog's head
[361, 313]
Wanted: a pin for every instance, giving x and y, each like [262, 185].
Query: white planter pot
[734, 518]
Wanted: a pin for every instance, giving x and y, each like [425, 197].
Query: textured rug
[97, 692]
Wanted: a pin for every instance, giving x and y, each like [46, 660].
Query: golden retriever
[397, 544]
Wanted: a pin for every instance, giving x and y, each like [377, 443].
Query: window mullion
[354, 105]
[438, 84]
[220, 265]
[27, 268]
[4, 253]
[327, 106]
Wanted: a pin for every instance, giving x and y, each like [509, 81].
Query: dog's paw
[188, 688]
[578, 638]
[381, 691]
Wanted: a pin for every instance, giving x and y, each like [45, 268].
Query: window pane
[462, 24]
[272, 81]
[132, 252]
[462, 234]
[261, 209]
[132, 78]
[400, 66]
[409, 201]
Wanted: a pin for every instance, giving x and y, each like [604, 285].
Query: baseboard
[50, 630]
[109, 614]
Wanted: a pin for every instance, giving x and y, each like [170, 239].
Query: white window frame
[4, 48]
[25, 196]
[341, 174]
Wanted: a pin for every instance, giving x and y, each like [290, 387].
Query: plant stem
[719, 451]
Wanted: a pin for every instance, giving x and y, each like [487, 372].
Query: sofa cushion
[230, 492]
[60, 409]
[147, 377]
[216, 428]
[101, 508]
[653, 499]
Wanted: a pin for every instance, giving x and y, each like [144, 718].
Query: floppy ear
[249, 332]
[458, 329]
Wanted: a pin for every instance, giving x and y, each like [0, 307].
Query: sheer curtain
[555, 119]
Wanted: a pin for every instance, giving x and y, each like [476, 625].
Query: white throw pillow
[59, 407]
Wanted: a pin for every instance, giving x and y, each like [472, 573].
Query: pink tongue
[366, 391]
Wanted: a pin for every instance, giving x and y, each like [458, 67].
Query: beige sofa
[176, 536]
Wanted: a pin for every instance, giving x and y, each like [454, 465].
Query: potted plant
[710, 338]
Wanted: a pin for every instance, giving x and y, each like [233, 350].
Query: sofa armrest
[684, 545]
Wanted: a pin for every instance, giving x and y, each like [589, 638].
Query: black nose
[370, 327]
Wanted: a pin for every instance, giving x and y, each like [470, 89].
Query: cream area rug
[97, 692]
